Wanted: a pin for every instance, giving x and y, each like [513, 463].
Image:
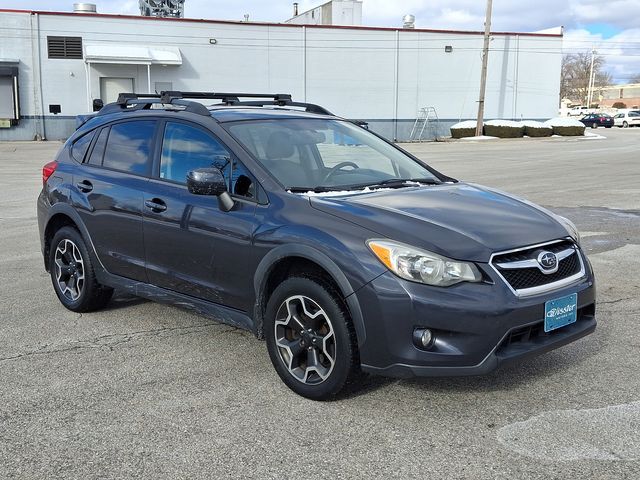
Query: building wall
[336, 12]
[383, 76]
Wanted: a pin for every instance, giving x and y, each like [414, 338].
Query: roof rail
[144, 101]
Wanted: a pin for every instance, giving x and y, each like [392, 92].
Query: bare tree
[635, 79]
[574, 81]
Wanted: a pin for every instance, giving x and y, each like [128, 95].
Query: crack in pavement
[109, 342]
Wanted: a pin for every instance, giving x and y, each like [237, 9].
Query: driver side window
[186, 148]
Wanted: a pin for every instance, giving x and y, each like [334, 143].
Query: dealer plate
[560, 312]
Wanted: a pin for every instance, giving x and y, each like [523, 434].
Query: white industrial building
[53, 64]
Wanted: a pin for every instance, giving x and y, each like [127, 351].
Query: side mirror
[97, 104]
[210, 181]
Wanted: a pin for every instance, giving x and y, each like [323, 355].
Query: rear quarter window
[129, 147]
[80, 146]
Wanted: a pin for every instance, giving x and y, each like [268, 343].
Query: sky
[609, 26]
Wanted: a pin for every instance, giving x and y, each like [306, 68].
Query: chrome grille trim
[548, 287]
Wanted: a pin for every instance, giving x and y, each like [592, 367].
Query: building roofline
[271, 24]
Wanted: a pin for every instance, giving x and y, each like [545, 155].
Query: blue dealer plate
[560, 312]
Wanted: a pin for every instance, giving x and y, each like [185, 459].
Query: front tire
[310, 338]
[72, 273]
[625, 125]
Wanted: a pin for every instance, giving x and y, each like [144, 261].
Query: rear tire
[72, 273]
[310, 338]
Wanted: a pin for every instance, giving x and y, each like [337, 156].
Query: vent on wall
[64, 47]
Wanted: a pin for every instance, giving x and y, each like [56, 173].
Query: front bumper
[477, 327]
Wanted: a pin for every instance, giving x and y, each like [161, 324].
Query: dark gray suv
[346, 253]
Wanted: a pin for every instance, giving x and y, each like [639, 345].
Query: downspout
[304, 63]
[148, 78]
[38, 104]
[396, 87]
[87, 71]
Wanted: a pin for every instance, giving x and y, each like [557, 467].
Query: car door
[192, 246]
[108, 194]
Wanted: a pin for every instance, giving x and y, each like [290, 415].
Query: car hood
[460, 221]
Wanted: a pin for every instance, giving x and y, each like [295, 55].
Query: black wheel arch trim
[297, 250]
[67, 210]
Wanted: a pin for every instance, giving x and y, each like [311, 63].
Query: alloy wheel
[305, 340]
[69, 269]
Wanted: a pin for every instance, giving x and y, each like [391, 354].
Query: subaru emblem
[548, 261]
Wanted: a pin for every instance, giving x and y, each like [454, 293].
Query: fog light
[422, 337]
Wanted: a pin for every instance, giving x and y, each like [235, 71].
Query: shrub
[503, 129]
[464, 129]
[619, 105]
[567, 127]
[537, 129]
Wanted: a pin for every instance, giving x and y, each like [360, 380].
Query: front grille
[535, 333]
[530, 277]
[533, 277]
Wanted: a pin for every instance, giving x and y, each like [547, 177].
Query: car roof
[232, 113]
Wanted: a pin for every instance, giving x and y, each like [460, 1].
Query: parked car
[342, 250]
[627, 119]
[580, 111]
[595, 120]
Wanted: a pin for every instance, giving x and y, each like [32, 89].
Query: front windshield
[316, 154]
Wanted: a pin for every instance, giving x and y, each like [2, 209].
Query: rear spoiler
[82, 119]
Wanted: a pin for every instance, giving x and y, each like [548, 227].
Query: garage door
[111, 87]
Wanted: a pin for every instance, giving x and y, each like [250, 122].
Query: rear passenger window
[95, 158]
[129, 147]
[80, 146]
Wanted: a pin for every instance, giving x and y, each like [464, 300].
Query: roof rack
[144, 101]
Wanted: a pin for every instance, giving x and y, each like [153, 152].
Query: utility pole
[591, 82]
[483, 75]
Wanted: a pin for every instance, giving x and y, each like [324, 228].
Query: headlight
[570, 227]
[422, 266]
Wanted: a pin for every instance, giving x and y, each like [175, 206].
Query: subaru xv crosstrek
[344, 252]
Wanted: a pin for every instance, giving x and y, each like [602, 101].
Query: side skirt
[217, 312]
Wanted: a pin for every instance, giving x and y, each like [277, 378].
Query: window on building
[129, 147]
[64, 47]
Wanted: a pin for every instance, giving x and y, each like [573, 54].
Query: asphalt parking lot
[150, 391]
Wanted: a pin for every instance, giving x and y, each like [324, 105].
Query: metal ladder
[427, 121]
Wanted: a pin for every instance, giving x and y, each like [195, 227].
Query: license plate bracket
[560, 312]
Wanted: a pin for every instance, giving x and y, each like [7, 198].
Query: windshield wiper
[318, 189]
[402, 182]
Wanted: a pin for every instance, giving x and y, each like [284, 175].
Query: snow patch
[564, 122]
[341, 193]
[465, 124]
[533, 124]
[503, 123]
[593, 136]
[482, 137]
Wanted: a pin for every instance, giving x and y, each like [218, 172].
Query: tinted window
[98, 148]
[185, 148]
[80, 147]
[634, 114]
[129, 147]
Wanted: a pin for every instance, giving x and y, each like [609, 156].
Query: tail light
[48, 170]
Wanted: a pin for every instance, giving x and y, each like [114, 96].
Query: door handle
[155, 205]
[84, 186]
